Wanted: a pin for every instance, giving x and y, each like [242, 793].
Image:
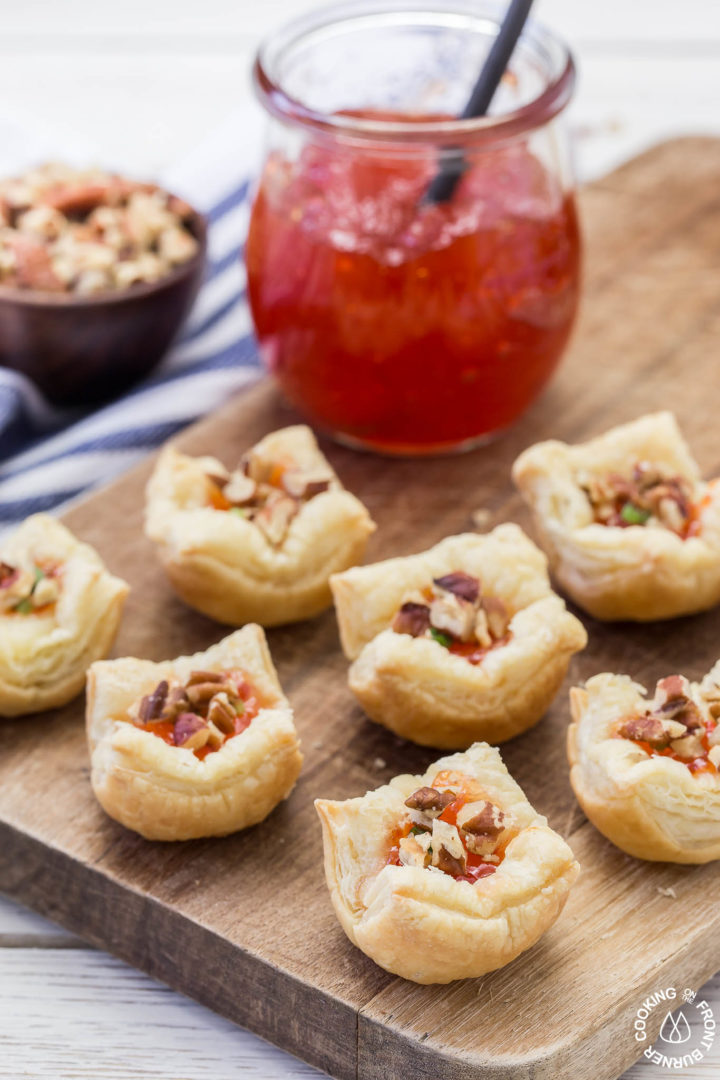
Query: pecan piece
[449, 864]
[459, 584]
[413, 619]
[653, 730]
[498, 617]
[275, 517]
[222, 714]
[191, 731]
[429, 800]
[199, 675]
[240, 489]
[152, 704]
[8, 574]
[305, 483]
[454, 616]
[175, 703]
[488, 822]
[200, 693]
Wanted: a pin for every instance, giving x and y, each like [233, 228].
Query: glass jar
[394, 321]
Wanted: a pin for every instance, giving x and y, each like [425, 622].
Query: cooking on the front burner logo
[686, 1035]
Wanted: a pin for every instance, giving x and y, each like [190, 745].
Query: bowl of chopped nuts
[97, 274]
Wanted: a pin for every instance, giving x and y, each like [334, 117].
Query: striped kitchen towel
[50, 457]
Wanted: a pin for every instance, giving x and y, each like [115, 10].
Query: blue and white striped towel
[51, 457]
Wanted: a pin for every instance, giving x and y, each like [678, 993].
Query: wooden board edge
[144, 933]
[604, 1053]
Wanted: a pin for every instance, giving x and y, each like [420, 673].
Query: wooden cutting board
[244, 924]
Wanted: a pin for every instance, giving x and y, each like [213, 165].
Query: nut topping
[222, 714]
[448, 852]
[459, 584]
[453, 615]
[202, 676]
[413, 619]
[152, 704]
[199, 693]
[191, 731]
[240, 489]
[275, 517]
[483, 825]
[429, 800]
[8, 574]
[653, 730]
[306, 483]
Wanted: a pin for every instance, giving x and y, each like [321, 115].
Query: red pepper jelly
[405, 326]
[391, 321]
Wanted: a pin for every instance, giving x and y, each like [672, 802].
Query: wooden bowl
[82, 350]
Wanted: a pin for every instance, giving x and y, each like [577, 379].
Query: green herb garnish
[442, 639]
[634, 515]
[25, 607]
[416, 830]
[239, 511]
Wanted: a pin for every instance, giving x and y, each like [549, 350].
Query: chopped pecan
[488, 821]
[191, 731]
[411, 852]
[454, 616]
[275, 517]
[200, 675]
[653, 730]
[200, 693]
[176, 703]
[222, 714]
[240, 489]
[459, 584]
[305, 483]
[448, 863]
[413, 619]
[8, 574]
[216, 737]
[498, 618]
[448, 852]
[152, 704]
[482, 629]
[429, 800]
[672, 688]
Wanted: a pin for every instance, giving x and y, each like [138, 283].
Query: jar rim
[443, 133]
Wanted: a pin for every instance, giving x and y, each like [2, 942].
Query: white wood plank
[85, 1016]
[90, 1017]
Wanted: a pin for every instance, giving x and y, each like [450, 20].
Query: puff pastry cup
[447, 875]
[59, 610]
[462, 642]
[646, 771]
[257, 544]
[202, 745]
[631, 529]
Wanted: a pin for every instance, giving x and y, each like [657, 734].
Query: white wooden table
[141, 82]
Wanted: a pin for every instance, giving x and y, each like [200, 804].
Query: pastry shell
[225, 567]
[44, 657]
[423, 924]
[416, 687]
[652, 807]
[165, 792]
[635, 573]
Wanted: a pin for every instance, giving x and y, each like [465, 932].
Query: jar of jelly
[393, 319]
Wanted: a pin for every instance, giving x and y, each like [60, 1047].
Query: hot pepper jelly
[390, 321]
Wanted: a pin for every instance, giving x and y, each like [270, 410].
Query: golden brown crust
[165, 792]
[44, 657]
[423, 924]
[416, 687]
[225, 566]
[635, 573]
[651, 807]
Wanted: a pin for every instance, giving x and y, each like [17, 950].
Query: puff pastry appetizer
[646, 772]
[59, 610]
[202, 745]
[447, 875]
[257, 544]
[463, 642]
[631, 529]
